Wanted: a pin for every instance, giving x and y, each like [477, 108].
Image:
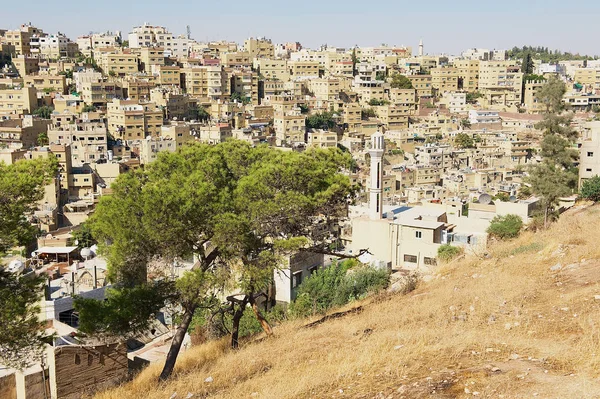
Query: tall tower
[421, 48]
[376, 192]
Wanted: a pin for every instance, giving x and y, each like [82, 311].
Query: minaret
[376, 192]
[421, 48]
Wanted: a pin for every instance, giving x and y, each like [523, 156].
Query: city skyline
[445, 28]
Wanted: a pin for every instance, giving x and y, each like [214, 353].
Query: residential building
[483, 116]
[318, 138]
[589, 152]
[47, 83]
[290, 128]
[444, 79]
[56, 46]
[88, 140]
[588, 77]
[151, 147]
[130, 120]
[21, 133]
[259, 48]
[17, 101]
[304, 69]
[119, 63]
[392, 117]
[99, 93]
[138, 88]
[21, 38]
[150, 57]
[272, 69]
[168, 75]
[238, 59]
[468, 74]
[325, 89]
[207, 83]
[423, 84]
[530, 100]
[26, 65]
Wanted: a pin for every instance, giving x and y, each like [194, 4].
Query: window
[430, 261]
[590, 154]
[418, 234]
[296, 279]
[410, 258]
[588, 170]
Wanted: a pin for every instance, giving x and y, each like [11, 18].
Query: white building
[589, 151]
[483, 116]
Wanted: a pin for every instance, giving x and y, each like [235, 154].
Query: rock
[467, 390]
[507, 326]
[597, 297]
[398, 347]
[556, 267]
[209, 380]
[573, 266]
[173, 396]
[514, 356]
[475, 393]
[401, 389]
[495, 370]
[189, 395]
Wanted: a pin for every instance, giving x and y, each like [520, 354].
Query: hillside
[523, 322]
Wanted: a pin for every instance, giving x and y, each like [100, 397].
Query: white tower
[421, 48]
[376, 192]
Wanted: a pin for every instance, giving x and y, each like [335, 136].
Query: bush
[336, 286]
[590, 189]
[447, 252]
[505, 227]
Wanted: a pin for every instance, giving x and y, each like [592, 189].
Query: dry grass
[506, 326]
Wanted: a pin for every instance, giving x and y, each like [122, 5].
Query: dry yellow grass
[506, 326]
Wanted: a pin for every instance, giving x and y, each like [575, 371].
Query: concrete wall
[8, 387]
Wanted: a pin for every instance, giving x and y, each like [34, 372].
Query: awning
[56, 250]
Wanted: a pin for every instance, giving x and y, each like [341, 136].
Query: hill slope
[525, 322]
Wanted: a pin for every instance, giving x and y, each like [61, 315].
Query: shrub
[336, 286]
[447, 252]
[505, 227]
[590, 189]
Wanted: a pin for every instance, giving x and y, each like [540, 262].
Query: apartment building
[304, 69]
[392, 117]
[47, 83]
[21, 133]
[468, 74]
[351, 116]
[272, 69]
[68, 103]
[456, 103]
[422, 84]
[246, 84]
[207, 83]
[151, 147]
[589, 152]
[167, 75]
[99, 93]
[532, 105]
[325, 89]
[503, 74]
[238, 59]
[91, 42]
[17, 101]
[588, 77]
[444, 79]
[21, 38]
[119, 63]
[26, 65]
[138, 88]
[370, 91]
[179, 132]
[84, 76]
[149, 36]
[259, 48]
[172, 101]
[88, 140]
[130, 120]
[289, 128]
[150, 57]
[318, 138]
[55, 47]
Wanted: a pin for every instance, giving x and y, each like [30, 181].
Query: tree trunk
[176, 344]
[235, 328]
[546, 218]
[263, 322]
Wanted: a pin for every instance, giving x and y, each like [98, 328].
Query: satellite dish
[86, 253]
[512, 198]
[485, 199]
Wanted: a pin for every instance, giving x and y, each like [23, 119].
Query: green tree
[125, 43]
[200, 113]
[354, 62]
[471, 97]
[380, 75]
[465, 123]
[557, 175]
[590, 189]
[368, 113]
[42, 139]
[237, 209]
[533, 77]
[22, 334]
[304, 109]
[505, 227]
[401, 82]
[324, 120]
[463, 140]
[83, 235]
[527, 64]
[89, 108]
[44, 112]
[375, 102]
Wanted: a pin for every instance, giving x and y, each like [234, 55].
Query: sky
[446, 26]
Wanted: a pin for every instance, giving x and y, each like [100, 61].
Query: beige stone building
[167, 75]
[26, 65]
[130, 120]
[532, 105]
[150, 57]
[259, 48]
[304, 69]
[17, 101]
[119, 63]
[138, 88]
[245, 83]
[588, 77]
[272, 69]
[21, 38]
[444, 79]
[468, 74]
[589, 152]
[392, 116]
[88, 140]
[422, 84]
[22, 133]
[47, 83]
[207, 83]
[325, 89]
[237, 59]
[318, 138]
[289, 128]
[101, 92]
[172, 101]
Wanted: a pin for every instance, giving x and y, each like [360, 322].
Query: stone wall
[8, 387]
[83, 370]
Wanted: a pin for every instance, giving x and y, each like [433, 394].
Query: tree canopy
[463, 140]
[21, 335]
[590, 189]
[400, 81]
[237, 209]
[324, 120]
